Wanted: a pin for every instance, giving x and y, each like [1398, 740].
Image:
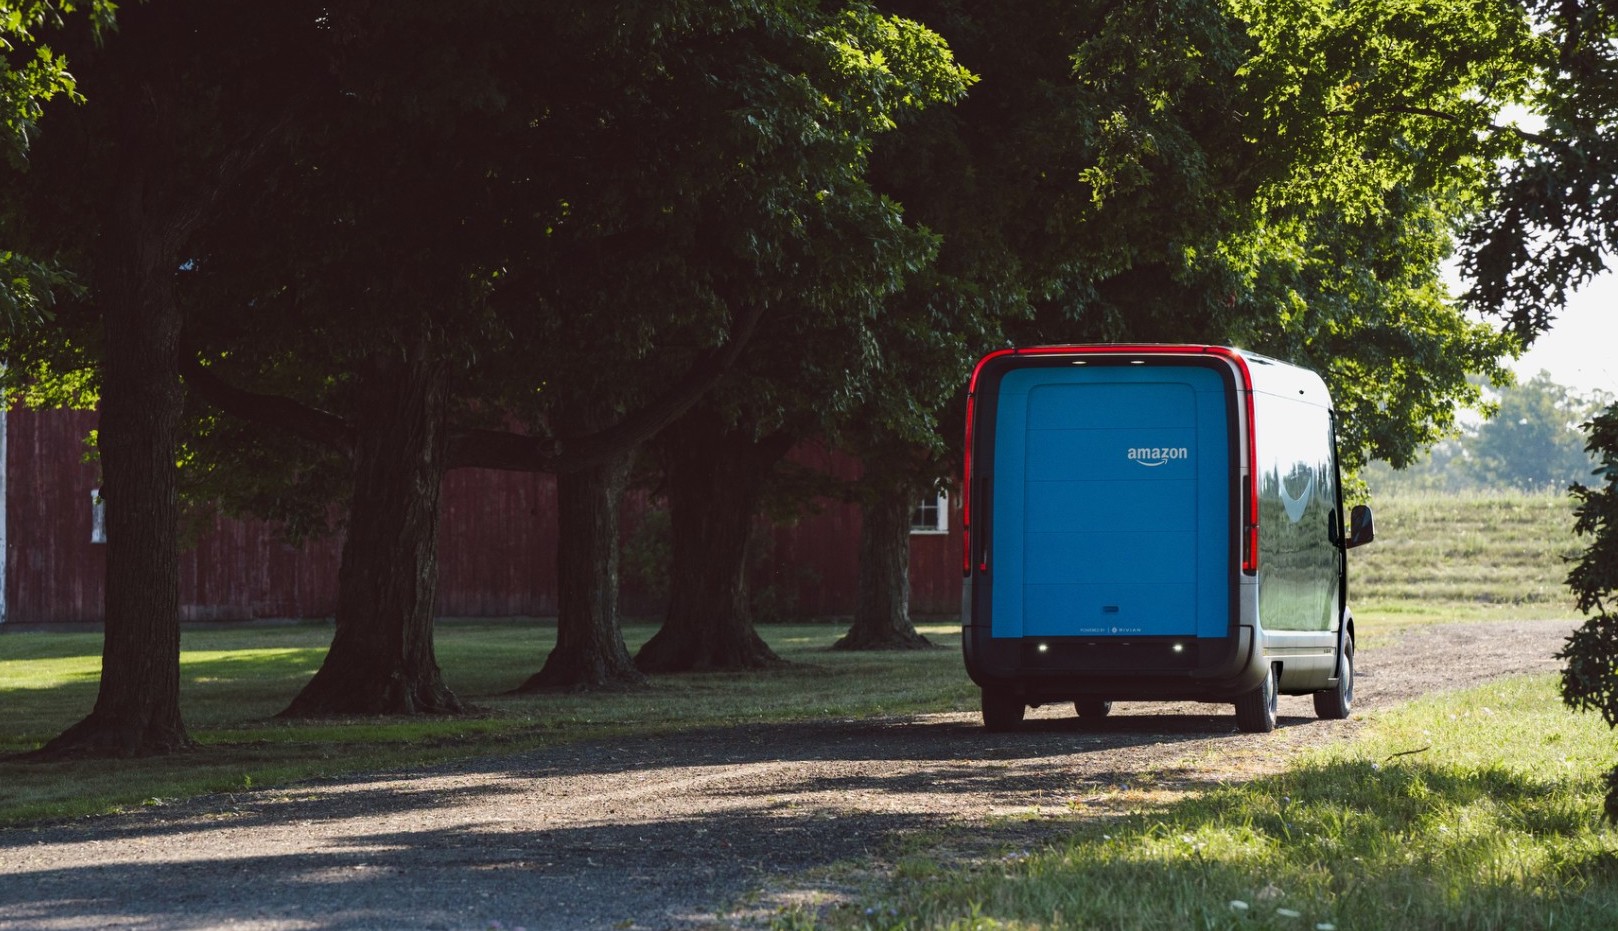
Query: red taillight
[966, 490]
[1250, 513]
[966, 470]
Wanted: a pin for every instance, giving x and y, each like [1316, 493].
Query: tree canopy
[31, 75]
[630, 197]
[1530, 440]
[418, 237]
[1550, 220]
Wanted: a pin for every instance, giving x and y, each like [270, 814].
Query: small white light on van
[1137, 361]
[1044, 648]
[1179, 648]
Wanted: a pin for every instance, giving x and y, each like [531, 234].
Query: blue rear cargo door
[1112, 504]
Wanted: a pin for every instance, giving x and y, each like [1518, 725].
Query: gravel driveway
[664, 832]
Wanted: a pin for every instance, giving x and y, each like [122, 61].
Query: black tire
[1255, 711]
[1335, 704]
[1002, 711]
[1092, 707]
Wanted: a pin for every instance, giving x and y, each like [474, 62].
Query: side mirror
[1361, 527]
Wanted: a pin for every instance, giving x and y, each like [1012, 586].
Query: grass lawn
[233, 681]
[1477, 811]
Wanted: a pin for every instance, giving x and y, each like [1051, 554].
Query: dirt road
[665, 832]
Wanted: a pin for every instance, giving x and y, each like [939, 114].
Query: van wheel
[1002, 711]
[1092, 707]
[1255, 711]
[1334, 704]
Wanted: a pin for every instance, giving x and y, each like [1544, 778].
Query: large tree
[1533, 440]
[1549, 224]
[1278, 176]
[810, 367]
[116, 186]
[607, 203]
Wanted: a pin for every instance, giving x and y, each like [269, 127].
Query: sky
[1581, 348]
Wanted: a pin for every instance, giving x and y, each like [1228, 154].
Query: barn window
[98, 517]
[931, 515]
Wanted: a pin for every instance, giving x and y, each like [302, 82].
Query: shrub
[1590, 678]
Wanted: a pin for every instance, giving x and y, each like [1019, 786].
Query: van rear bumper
[1051, 669]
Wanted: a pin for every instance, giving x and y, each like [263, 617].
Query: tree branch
[317, 426]
[496, 449]
[1536, 138]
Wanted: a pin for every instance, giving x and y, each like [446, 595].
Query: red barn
[496, 552]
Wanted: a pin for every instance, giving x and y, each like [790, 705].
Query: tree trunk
[137, 710]
[590, 651]
[882, 601]
[381, 660]
[715, 480]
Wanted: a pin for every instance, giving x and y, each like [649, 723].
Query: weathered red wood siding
[935, 569]
[810, 568]
[239, 570]
[497, 547]
[497, 544]
[54, 573]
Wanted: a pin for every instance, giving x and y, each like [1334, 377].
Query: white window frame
[98, 517]
[938, 502]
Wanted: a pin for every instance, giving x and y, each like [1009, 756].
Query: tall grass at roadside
[233, 681]
[1469, 556]
[1477, 810]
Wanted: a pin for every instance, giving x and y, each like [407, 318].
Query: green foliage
[1367, 98]
[1360, 301]
[1550, 220]
[620, 185]
[1371, 118]
[1590, 679]
[28, 291]
[1529, 440]
[1594, 578]
[1533, 439]
[1285, 177]
[31, 74]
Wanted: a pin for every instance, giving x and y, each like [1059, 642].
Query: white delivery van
[1154, 522]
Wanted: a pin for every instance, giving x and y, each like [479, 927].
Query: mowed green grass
[1472, 811]
[235, 680]
[1466, 557]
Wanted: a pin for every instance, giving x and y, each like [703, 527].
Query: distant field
[1451, 557]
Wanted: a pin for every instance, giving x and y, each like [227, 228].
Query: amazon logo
[1153, 456]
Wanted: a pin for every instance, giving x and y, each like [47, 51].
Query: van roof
[1268, 375]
